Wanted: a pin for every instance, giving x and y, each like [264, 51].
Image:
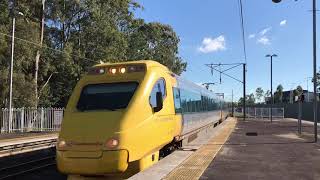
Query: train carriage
[120, 116]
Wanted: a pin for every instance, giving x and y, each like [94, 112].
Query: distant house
[289, 96]
[308, 96]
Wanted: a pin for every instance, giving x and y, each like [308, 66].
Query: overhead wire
[242, 30]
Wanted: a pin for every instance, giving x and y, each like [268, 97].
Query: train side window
[177, 101]
[159, 86]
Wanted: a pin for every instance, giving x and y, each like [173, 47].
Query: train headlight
[112, 143]
[101, 71]
[62, 144]
[113, 70]
[122, 70]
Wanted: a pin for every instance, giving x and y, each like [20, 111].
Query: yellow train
[121, 115]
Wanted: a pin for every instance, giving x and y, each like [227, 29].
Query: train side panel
[145, 131]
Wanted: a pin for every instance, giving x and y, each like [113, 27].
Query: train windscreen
[108, 96]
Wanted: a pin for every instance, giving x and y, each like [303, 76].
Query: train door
[178, 109]
[163, 118]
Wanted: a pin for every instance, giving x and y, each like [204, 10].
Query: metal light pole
[234, 65]
[244, 91]
[271, 104]
[315, 99]
[11, 64]
[232, 108]
[314, 43]
[13, 13]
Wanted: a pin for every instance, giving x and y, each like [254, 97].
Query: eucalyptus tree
[259, 94]
[57, 43]
[278, 94]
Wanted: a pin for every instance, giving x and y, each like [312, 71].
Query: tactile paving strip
[193, 167]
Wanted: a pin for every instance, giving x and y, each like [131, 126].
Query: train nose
[91, 158]
[92, 163]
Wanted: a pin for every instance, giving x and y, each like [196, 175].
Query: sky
[210, 32]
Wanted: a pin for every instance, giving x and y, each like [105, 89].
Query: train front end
[95, 129]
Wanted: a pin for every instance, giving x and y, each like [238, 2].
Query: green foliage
[298, 91]
[250, 100]
[259, 93]
[278, 95]
[156, 41]
[267, 96]
[77, 35]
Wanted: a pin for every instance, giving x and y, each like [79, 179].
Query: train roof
[182, 83]
[148, 63]
[191, 86]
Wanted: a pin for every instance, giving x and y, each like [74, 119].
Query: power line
[213, 66]
[242, 30]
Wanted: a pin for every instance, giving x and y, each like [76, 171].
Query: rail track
[22, 168]
[18, 148]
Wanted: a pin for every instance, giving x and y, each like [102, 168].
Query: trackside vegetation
[76, 34]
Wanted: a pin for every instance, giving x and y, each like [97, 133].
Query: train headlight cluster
[112, 143]
[117, 70]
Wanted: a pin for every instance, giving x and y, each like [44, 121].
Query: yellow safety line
[194, 166]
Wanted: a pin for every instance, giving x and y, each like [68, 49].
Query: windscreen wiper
[111, 109]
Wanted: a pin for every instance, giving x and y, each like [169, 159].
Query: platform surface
[13, 139]
[277, 152]
[164, 168]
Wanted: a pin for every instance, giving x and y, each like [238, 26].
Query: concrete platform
[20, 144]
[15, 135]
[175, 165]
[277, 152]
[28, 139]
[245, 150]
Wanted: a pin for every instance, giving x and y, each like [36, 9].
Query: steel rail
[22, 167]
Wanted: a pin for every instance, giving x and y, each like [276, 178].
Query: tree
[267, 96]
[240, 101]
[259, 93]
[67, 38]
[278, 94]
[158, 42]
[250, 100]
[24, 55]
[298, 91]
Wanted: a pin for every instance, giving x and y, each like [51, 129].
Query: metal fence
[31, 120]
[258, 112]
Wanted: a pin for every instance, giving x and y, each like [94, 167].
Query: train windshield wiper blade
[111, 109]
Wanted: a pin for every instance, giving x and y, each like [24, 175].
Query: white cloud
[252, 36]
[264, 40]
[265, 31]
[213, 44]
[283, 23]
